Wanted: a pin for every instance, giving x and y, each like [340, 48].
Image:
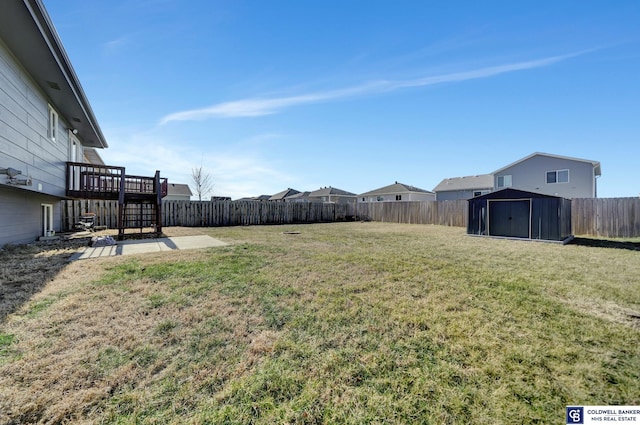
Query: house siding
[391, 197]
[24, 144]
[21, 216]
[530, 175]
[456, 195]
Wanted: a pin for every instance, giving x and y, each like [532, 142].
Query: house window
[398, 197]
[52, 129]
[364, 199]
[477, 193]
[559, 176]
[504, 181]
[380, 199]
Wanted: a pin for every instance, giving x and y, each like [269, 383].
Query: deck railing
[91, 181]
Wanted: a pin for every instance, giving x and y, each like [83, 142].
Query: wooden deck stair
[139, 198]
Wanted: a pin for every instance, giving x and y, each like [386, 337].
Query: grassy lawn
[341, 323]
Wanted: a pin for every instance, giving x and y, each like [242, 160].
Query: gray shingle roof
[281, 195]
[482, 181]
[327, 191]
[178, 189]
[395, 188]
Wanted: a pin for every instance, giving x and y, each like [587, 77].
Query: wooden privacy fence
[234, 213]
[445, 213]
[216, 213]
[605, 217]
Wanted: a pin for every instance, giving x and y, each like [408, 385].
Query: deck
[139, 197]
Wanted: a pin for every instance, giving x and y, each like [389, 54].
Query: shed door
[509, 218]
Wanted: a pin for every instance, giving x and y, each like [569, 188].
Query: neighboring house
[397, 192]
[178, 192]
[280, 196]
[220, 198]
[255, 198]
[539, 172]
[463, 187]
[45, 121]
[332, 194]
[298, 197]
[91, 156]
[549, 174]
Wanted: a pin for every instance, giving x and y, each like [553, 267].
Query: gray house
[45, 121]
[178, 192]
[456, 188]
[397, 192]
[539, 172]
[549, 174]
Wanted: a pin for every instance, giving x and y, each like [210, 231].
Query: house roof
[281, 195]
[179, 189]
[328, 191]
[395, 188]
[298, 195]
[481, 181]
[595, 164]
[27, 30]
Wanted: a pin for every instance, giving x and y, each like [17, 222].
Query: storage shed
[519, 214]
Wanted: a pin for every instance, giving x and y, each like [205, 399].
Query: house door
[510, 218]
[75, 155]
[47, 219]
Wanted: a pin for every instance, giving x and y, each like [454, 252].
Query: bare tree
[202, 181]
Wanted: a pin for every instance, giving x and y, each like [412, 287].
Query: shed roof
[595, 164]
[395, 188]
[481, 181]
[510, 193]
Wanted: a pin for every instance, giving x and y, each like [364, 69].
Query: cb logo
[575, 415]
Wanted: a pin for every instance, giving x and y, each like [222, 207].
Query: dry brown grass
[26, 269]
[340, 323]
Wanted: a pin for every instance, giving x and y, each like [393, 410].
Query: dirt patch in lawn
[26, 269]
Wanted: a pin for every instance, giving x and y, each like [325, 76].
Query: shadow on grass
[606, 243]
[26, 269]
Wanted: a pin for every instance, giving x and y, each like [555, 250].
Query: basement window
[52, 129]
[558, 176]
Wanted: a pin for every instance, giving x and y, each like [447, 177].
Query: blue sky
[267, 95]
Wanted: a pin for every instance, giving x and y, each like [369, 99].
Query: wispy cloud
[114, 46]
[235, 172]
[254, 107]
